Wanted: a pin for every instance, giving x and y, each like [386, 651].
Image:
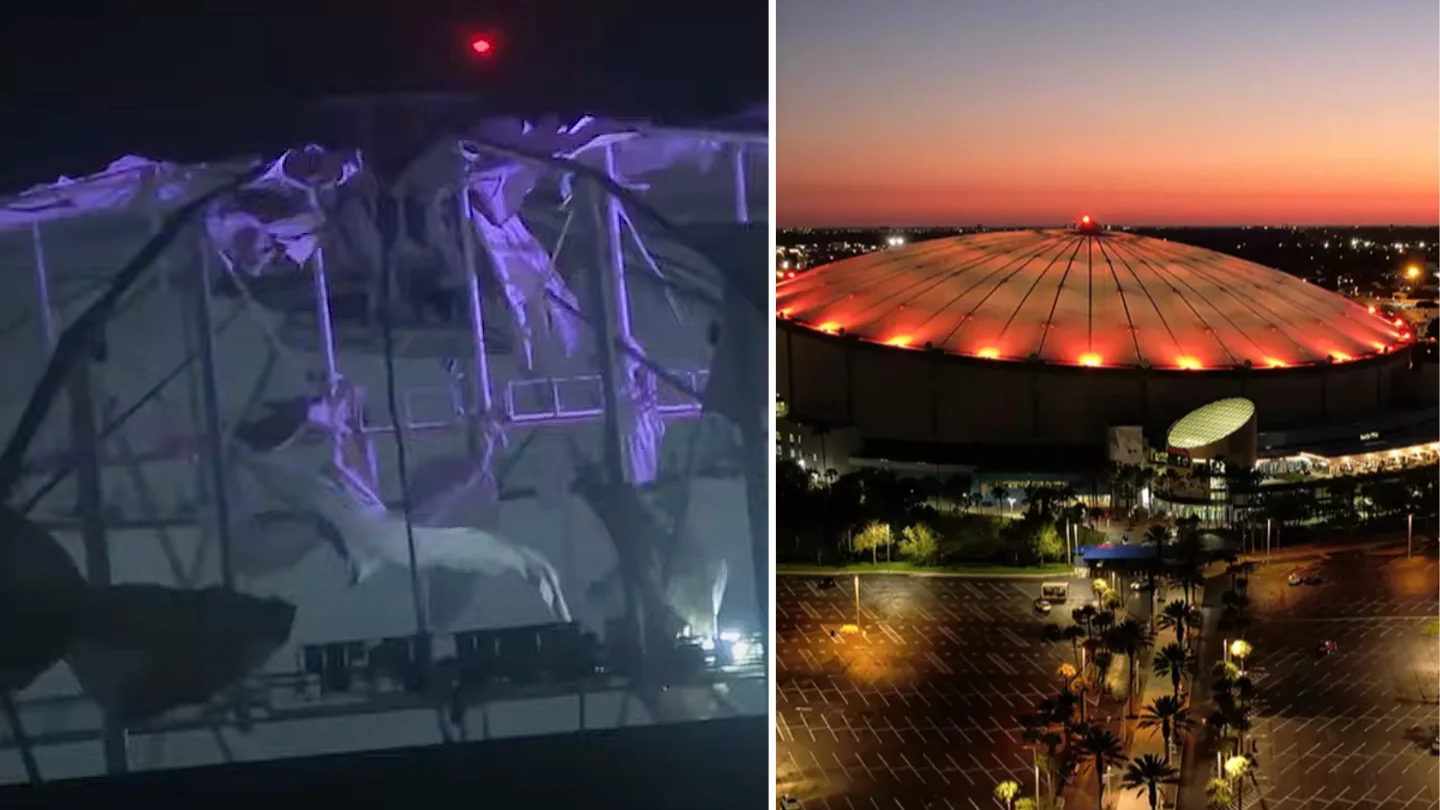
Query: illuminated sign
[1177, 457]
[1365, 437]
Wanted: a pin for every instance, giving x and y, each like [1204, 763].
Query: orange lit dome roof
[1072, 298]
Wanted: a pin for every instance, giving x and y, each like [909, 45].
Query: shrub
[920, 544]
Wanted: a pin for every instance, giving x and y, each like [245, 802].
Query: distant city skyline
[1299, 112]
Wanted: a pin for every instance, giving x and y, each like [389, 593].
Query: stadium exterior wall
[910, 395]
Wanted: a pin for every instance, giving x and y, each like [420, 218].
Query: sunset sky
[1002, 112]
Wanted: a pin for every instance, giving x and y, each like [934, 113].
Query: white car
[1294, 579]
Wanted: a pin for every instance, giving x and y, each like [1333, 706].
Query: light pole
[1409, 535]
[857, 600]
[1267, 539]
[1012, 505]
[1240, 649]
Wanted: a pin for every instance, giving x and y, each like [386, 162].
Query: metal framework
[99, 441]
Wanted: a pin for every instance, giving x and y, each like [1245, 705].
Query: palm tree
[1218, 794]
[1147, 774]
[1167, 715]
[1112, 601]
[1038, 731]
[1101, 746]
[999, 493]
[1237, 767]
[1129, 637]
[1074, 634]
[1006, 792]
[1175, 616]
[1102, 621]
[1232, 620]
[1189, 576]
[1195, 624]
[1173, 661]
[1236, 600]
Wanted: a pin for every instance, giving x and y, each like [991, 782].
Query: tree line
[874, 515]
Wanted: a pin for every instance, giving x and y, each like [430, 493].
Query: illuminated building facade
[1047, 338]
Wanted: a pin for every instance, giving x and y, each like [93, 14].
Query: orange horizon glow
[1211, 115]
[989, 353]
[829, 327]
[1090, 359]
[901, 341]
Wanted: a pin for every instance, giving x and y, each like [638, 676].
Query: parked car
[1294, 579]
[1042, 607]
[1327, 647]
[1312, 579]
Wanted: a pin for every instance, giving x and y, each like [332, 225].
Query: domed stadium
[1051, 336]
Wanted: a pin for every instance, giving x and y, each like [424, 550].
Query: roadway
[1351, 729]
[918, 709]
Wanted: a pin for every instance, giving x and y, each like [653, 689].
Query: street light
[1241, 649]
[1012, 504]
[857, 600]
[1409, 535]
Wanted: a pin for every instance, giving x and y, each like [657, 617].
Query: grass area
[900, 567]
[1433, 628]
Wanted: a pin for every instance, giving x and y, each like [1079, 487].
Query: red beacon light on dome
[482, 45]
[1087, 223]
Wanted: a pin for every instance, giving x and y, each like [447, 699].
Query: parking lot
[918, 709]
[1353, 728]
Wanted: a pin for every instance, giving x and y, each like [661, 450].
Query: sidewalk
[1145, 742]
[1135, 742]
[1199, 759]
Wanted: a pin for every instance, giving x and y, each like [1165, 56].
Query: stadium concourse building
[1028, 357]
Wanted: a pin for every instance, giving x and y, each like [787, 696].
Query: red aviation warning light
[1085, 220]
[482, 45]
[1086, 223]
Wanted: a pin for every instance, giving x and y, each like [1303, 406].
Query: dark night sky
[83, 85]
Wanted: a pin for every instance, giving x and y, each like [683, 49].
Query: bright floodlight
[481, 46]
[1085, 220]
[1412, 271]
